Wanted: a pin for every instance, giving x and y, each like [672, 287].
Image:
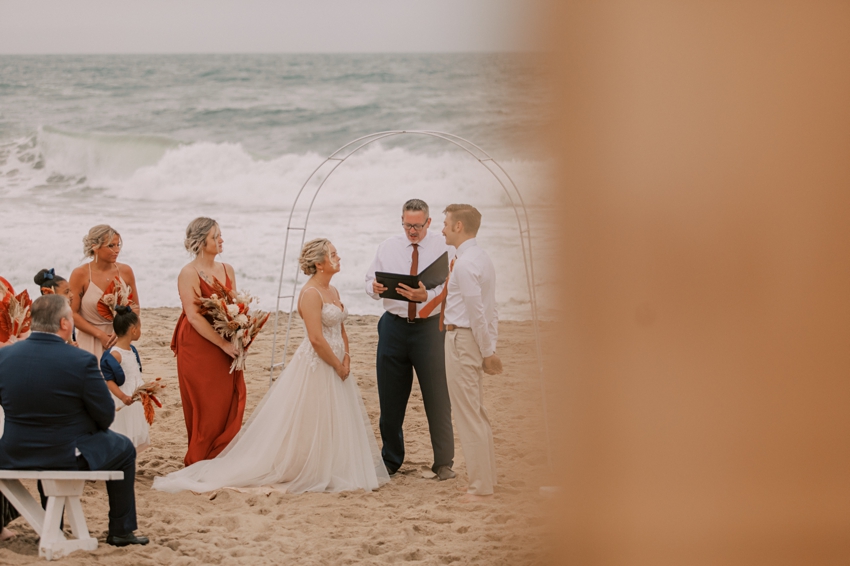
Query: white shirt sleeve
[370, 275]
[432, 293]
[470, 290]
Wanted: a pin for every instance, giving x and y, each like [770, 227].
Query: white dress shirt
[471, 298]
[395, 255]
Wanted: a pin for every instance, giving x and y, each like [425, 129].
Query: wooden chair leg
[62, 494]
[77, 518]
[23, 501]
[63, 490]
[51, 533]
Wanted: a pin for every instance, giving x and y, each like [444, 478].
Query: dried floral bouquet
[15, 316]
[117, 294]
[145, 394]
[233, 319]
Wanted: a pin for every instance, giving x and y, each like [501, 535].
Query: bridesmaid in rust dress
[213, 398]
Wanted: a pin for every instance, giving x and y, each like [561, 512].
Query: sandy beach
[412, 519]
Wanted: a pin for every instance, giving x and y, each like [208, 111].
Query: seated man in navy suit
[58, 411]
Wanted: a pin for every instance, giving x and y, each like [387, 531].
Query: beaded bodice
[332, 319]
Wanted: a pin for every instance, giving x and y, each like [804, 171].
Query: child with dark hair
[122, 369]
[52, 284]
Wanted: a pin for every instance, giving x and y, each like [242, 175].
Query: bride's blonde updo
[196, 234]
[98, 237]
[313, 252]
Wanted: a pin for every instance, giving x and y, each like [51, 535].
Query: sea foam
[149, 187]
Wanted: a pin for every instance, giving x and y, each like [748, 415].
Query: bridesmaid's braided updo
[196, 234]
[313, 252]
[97, 237]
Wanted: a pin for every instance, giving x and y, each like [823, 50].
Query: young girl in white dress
[124, 377]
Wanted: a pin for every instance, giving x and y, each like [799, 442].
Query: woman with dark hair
[90, 281]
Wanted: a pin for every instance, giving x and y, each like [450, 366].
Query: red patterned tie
[439, 299]
[414, 270]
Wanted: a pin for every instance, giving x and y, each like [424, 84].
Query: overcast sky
[289, 26]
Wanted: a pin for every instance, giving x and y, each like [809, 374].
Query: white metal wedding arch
[299, 218]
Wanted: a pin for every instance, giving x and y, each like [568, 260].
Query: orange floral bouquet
[146, 395]
[232, 318]
[117, 294]
[15, 316]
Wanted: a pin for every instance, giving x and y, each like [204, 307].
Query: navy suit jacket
[56, 401]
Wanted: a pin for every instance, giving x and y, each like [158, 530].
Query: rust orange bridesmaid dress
[213, 398]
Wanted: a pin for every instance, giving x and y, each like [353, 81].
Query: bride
[310, 432]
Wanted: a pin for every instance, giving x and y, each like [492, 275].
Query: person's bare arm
[346, 359]
[231, 274]
[190, 289]
[79, 282]
[113, 387]
[310, 309]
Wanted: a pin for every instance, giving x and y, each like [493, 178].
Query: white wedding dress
[309, 433]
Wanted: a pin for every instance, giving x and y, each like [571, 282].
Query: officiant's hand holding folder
[432, 276]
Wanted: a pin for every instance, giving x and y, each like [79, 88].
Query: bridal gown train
[309, 433]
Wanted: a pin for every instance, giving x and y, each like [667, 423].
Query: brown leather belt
[415, 320]
[453, 327]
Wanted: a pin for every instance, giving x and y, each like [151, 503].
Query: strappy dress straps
[307, 289]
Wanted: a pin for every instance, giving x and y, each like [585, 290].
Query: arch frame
[299, 220]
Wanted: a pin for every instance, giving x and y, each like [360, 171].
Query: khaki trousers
[464, 376]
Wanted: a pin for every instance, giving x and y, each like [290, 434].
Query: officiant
[411, 337]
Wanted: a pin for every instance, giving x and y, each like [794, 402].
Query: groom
[407, 340]
[472, 330]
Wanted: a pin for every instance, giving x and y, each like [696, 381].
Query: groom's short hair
[467, 214]
[47, 313]
[415, 205]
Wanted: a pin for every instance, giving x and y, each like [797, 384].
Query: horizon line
[137, 53]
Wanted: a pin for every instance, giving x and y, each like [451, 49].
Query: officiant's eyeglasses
[409, 227]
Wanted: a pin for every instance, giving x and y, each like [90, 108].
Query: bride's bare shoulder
[309, 301]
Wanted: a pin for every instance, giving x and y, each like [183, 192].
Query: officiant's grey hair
[414, 205]
[47, 313]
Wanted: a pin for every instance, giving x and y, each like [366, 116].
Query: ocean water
[147, 143]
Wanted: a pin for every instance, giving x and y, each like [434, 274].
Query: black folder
[433, 275]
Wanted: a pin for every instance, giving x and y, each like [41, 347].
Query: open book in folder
[432, 276]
